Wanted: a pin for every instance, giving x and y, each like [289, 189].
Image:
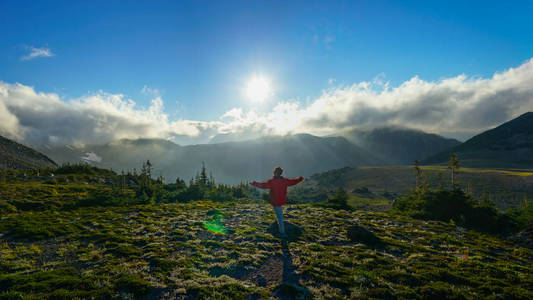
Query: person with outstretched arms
[278, 193]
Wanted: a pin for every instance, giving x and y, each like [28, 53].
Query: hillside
[166, 251]
[507, 188]
[399, 146]
[16, 156]
[509, 145]
[230, 162]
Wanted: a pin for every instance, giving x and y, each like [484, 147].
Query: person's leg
[279, 215]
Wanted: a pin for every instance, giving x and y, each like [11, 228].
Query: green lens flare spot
[215, 222]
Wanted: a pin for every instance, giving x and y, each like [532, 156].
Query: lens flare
[215, 222]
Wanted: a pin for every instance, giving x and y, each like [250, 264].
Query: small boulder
[356, 233]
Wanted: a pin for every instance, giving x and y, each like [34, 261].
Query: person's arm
[261, 185]
[293, 181]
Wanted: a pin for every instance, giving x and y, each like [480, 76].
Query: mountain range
[509, 145]
[234, 162]
[230, 162]
[399, 146]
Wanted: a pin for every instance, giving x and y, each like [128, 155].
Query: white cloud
[91, 157]
[150, 91]
[37, 52]
[458, 106]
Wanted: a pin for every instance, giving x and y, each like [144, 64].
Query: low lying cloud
[458, 106]
[91, 157]
[37, 52]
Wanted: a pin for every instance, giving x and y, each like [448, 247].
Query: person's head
[278, 171]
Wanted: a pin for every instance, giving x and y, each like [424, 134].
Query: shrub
[11, 296]
[36, 226]
[126, 250]
[133, 283]
[338, 201]
[163, 265]
[105, 197]
[83, 169]
[456, 206]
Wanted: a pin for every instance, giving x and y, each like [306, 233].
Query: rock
[356, 233]
[524, 238]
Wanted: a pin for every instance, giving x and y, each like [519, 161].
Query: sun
[258, 88]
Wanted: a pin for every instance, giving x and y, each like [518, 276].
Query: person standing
[278, 193]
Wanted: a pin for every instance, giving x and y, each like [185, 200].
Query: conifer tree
[418, 174]
[211, 179]
[441, 182]
[453, 165]
[122, 182]
[203, 176]
[180, 184]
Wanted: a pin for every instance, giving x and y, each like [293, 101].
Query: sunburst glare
[258, 88]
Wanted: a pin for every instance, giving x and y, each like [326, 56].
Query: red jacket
[278, 188]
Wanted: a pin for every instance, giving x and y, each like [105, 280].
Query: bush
[45, 281]
[83, 169]
[338, 201]
[11, 296]
[133, 283]
[522, 215]
[456, 206]
[36, 226]
[105, 197]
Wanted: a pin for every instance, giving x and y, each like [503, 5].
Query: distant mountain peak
[398, 145]
[507, 145]
[17, 156]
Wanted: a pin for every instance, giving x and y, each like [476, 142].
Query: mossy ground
[164, 251]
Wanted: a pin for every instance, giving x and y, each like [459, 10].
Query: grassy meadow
[51, 247]
[506, 187]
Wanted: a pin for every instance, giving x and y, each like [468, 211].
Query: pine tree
[122, 182]
[197, 178]
[418, 174]
[453, 165]
[203, 176]
[211, 179]
[180, 184]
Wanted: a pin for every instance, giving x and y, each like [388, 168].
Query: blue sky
[199, 55]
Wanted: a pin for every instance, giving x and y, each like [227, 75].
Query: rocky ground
[166, 252]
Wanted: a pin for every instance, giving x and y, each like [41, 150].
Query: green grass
[514, 172]
[506, 187]
[372, 204]
[165, 252]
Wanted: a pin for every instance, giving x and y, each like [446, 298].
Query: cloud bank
[458, 106]
[37, 52]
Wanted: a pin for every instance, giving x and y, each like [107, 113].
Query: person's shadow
[293, 232]
[290, 287]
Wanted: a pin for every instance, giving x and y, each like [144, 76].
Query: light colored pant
[279, 214]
